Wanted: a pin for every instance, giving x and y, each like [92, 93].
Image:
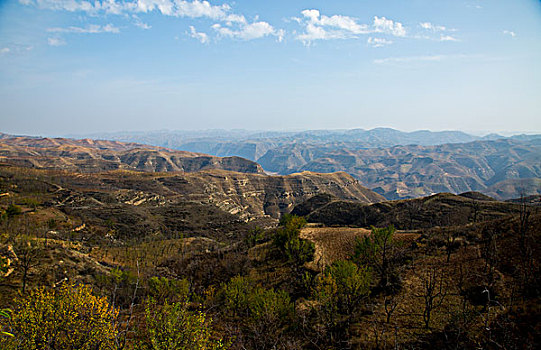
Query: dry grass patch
[332, 243]
[338, 243]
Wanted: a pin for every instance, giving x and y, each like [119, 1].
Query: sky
[75, 67]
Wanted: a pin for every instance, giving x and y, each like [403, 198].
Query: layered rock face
[258, 195]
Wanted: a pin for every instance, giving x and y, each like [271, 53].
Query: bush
[163, 289]
[263, 313]
[254, 236]
[343, 286]
[172, 326]
[244, 298]
[236, 295]
[70, 317]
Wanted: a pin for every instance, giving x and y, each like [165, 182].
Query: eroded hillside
[92, 156]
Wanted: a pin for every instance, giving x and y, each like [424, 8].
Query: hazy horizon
[255, 131]
[73, 67]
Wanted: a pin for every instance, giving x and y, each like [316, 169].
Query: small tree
[13, 210]
[254, 236]
[288, 241]
[163, 289]
[29, 252]
[339, 292]
[375, 250]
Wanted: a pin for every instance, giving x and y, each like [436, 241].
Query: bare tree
[390, 303]
[413, 208]
[433, 293]
[28, 253]
[475, 208]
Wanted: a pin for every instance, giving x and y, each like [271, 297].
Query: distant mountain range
[255, 144]
[395, 164]
[500, 168]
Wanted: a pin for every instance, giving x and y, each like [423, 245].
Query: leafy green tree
[339, 292]
[237, 295]
[4, 313]
[119, 285]
[3, 215]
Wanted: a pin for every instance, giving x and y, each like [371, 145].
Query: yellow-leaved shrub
[69, 317]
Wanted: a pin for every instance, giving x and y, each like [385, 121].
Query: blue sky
[71, 66]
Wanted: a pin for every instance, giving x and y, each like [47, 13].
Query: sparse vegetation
[462, 279]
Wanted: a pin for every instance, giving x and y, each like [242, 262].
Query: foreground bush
[70, 317]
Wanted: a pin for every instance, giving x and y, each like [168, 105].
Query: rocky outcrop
[258, 195]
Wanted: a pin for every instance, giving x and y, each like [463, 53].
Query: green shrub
[163, 289]
[172, 326]
[254, 236]
[259, 304]
[342, 286]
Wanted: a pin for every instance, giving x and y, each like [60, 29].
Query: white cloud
[313, 32]
[4, 50]
[249, 31]
[56, 42]
[384, 25]
[508, 32]
[432, 27]
[448, 38]
[90, 29]
[337, 21]
[378, 42]
[231, 24]
[177, 8]
[202, 37]
[66, 5]
[321, 27]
